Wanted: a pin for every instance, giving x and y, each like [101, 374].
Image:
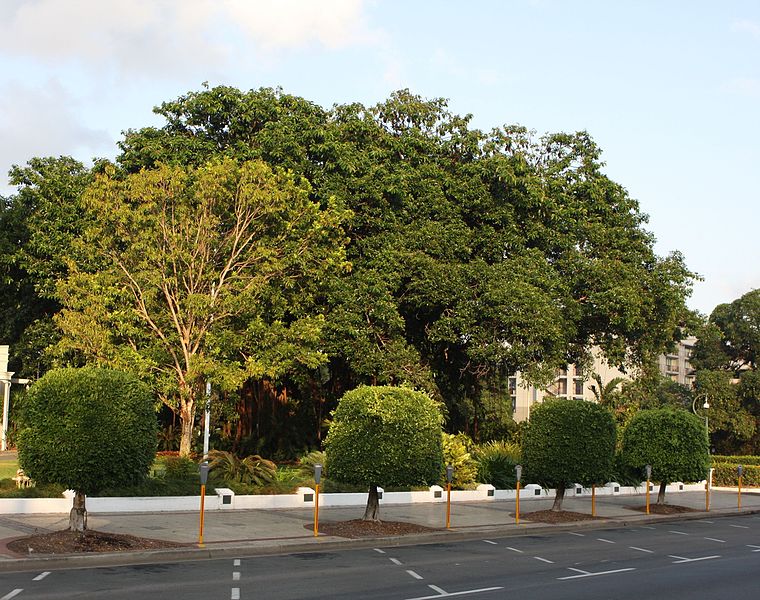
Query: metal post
[317, 479]
[648, 470]
[740, 469]
[593, 499]
[449, 477]
[207, 421]
[518, 476]
[5, 380]
[203, 472]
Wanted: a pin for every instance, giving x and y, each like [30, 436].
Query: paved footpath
[252, 532]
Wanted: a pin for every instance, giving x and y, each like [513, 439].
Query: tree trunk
[187, 418]
[78, 514]
[559, 497]
[372, 512]
[661, 493]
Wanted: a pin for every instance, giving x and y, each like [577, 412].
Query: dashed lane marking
[395, 561]
[12, 594]
[576, 534]
[41, 576]
[379, 551]
[751, 546]
[605, 541]
[647, 527]
[681, 559]
[546, 560]
[716, 540]
[236, 576]
[514, 549]
[641, 549]
[413, 574]
[706, 521]
[677, 532]
[490, 542]
[738, 526]
[235, 595]
[236, 562]
[440, 593]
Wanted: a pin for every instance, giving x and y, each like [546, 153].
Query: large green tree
[385, 435]
[201, 274]
[87, 429]
[568, 442]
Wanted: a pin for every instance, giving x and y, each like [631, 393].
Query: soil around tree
[357, 528]
[72, 542]
[557, 516]
[664, 509]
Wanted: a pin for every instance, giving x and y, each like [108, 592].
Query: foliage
[726, 474]
[736, 460]
[388, 436]
[8, 489]
[672, 441]
[174, 468]
[457, 453]
[251, 470]
[567, 442]
[307, 461]
[87, 429]
[496, 462]
[203, 273]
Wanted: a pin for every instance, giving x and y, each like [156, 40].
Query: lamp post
[705, 406]
[648, 470]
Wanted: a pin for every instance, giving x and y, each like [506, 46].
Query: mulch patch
[664, 509]
[357, 528]
[551, 516]
[71, 542]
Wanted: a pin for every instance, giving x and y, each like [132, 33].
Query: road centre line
[236, 562]
[716, 540]
[413, 574]
[581, 576]
[738, 526]
[235, 595]
[379, 551]
[12, 594]
[641, 549]
[677, 532]
[41, 576]
[605, 541]
[546, 560]
[236, 576]
[490, 542]
[752, 546]
[682, 559]
[396, 561]
[514, 549]
[443, 594]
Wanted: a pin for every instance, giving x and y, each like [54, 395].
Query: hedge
[736, 460]
[725, 475]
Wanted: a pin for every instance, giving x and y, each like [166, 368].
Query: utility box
[226, 498]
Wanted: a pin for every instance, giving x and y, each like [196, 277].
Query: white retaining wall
[304, 497]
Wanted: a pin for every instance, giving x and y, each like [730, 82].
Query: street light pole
[705, 406]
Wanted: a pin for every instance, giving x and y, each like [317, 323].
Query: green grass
[8, 468]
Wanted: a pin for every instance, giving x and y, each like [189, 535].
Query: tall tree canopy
[201, 273]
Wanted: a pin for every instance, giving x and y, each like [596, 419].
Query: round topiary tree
[568, 442]
[383, 435]
[672, 441]
[87, 429]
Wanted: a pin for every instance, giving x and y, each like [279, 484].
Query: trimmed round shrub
[386, 436]
[88, 429]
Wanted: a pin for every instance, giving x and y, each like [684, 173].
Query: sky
[669, 90]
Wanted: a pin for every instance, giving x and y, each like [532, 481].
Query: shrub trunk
[661, 492]
[78, 514]
[558, 498]
[372, 512]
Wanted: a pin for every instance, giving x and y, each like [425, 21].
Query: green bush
[673, 442]
[567, 442]
[456, 452]
[177, 468]
[736, 460]
[725, 475]
[9, 489]
[307, 461]
[496, 462]
[87, 429]
[251, 470]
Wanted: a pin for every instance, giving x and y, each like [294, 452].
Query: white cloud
[175, 37]
[747, 26]
[43, 122]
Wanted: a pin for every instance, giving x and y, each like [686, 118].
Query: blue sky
[669, 90]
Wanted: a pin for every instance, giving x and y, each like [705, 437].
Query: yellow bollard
[517, 507]
[203, 498]
[647, 496]
[448, 506]
[316, 510]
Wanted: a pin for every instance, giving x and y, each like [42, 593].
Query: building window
[671, 364]
[578, 387]
[560, 387]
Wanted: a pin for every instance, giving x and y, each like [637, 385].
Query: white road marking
[12, 594]
[490, 542]
[236, 562]
[595, 574]
[413, 574]
[577, 570]
[235, 594]
[677, 532]
[41, 576]
[605, 541]
[751, 546]
[647, 527]
[706, 521]
[379, 551]
[396, 561]
[443, 594]
[546, 560]
[236, 576]
[577, 534]
[681, 559]
[514, 549]
[716, 540]
[641, 549]
[738, 526]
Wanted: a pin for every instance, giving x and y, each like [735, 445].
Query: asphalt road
[713, 559]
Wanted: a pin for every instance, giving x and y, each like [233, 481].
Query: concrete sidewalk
[251, 532]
